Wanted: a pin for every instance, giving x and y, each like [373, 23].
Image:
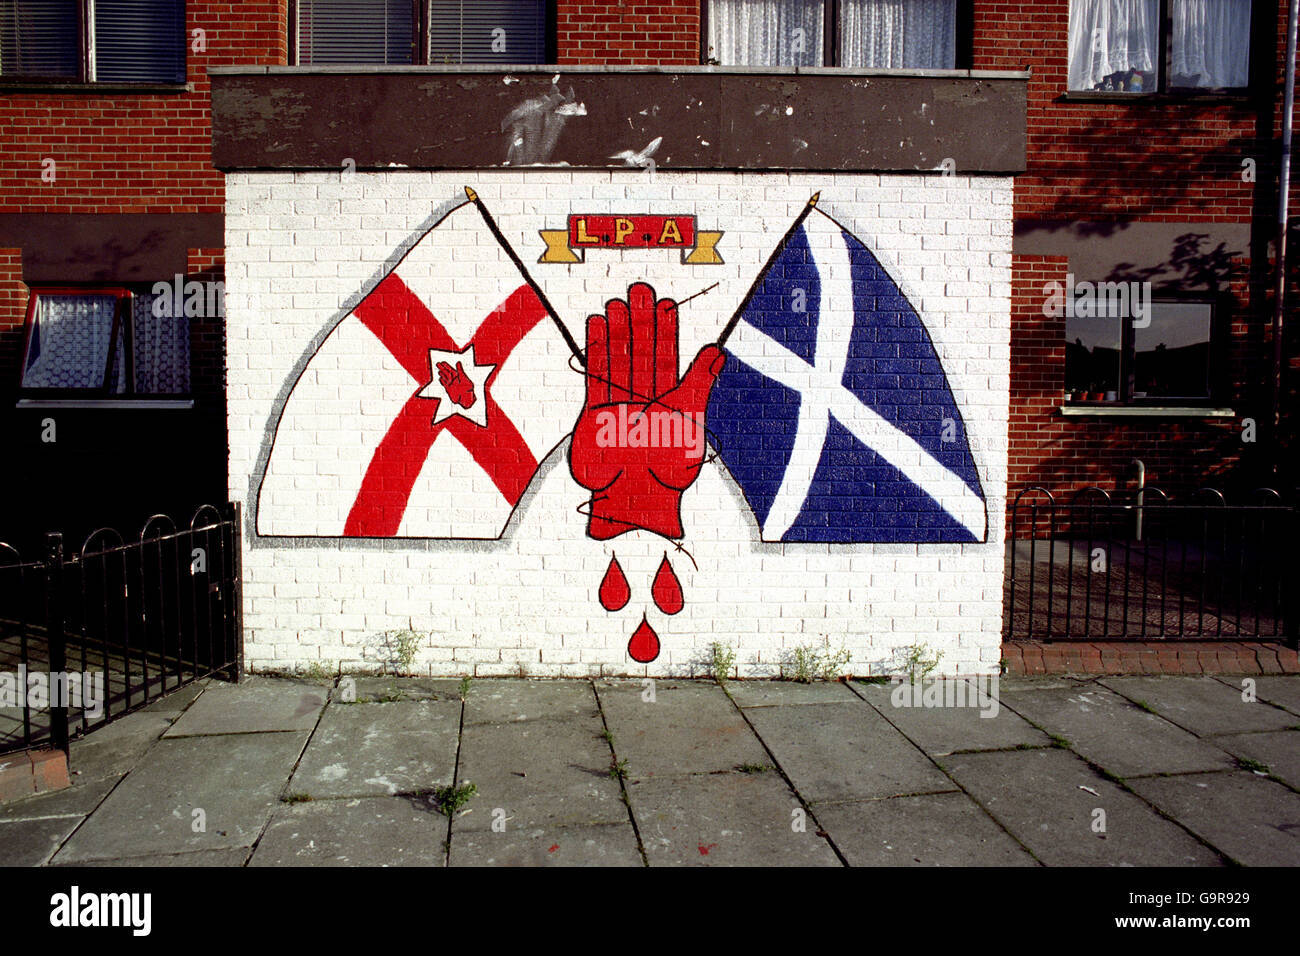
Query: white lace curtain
[1109, 37]
[878, 34]
[899, 34]
[1210, 44]
[70, 339]
[161, 349]
[766, 32]
[70, 342]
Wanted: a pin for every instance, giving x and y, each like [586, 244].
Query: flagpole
[744, 304]
[532, 284]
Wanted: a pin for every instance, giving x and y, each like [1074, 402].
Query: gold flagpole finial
[815, 196]
[473, 196]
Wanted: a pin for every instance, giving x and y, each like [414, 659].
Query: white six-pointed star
[459, 384]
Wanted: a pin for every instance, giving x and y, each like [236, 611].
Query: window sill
[92, 89]
[1145, 411]
[107, 403]
[1167, 98]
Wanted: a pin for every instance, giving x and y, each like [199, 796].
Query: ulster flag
[426, 411]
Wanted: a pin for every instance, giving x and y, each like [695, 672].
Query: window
[487, 31]
[869, 34]
[356, 31]
[1160, 362]
[93, 41]
[404, 32]
[1116, 45]
[108, 343]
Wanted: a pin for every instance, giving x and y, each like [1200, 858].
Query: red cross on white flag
[426, 411]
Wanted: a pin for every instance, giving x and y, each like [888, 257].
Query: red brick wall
[118, 153]
[13, 309]
[1065, 454]
[1128, 162]
[13, 293]
[1170, 162]
[199, 261]
[208, 338]
[627, 33]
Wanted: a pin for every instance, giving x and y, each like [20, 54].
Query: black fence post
[1290, 600]
[54, 613]
[235, 592]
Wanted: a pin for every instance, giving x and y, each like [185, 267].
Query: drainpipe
[1283, 200]
[1141, 493]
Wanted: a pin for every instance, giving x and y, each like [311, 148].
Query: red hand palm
[458, 385]
[639, 442]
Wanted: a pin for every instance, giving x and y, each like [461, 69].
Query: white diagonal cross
[822, 394]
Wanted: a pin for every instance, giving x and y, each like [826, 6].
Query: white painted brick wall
[299, 246]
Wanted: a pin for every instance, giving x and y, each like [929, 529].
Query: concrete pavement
[1198, 771]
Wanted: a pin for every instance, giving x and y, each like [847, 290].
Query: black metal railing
[1140, 566]
[91, 635]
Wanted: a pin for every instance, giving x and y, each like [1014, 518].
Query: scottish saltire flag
[426, 411]
[833, 412]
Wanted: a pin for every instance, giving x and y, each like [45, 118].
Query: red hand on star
[458, 385]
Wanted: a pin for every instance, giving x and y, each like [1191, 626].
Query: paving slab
[1116, 734]
[724, 819]
[112, 750]
[33, 842]
[612, 844]
[688, 728]
[1039, 796]
[844, 752]
[373, 831]
[1202, 705]
[937, 829]
[1282, 691]
[236, 856]
[176, 701]
[257, 704]
[770, 693]
[387, 689]
[235, 780]
[501, 701]
[1252, 819]
[539, 773]
[77, 800]
[1278, 750]
[1012, 682]
[366, 750]
[943, 730]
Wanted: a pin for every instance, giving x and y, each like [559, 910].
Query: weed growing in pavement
[809, 663]
[722, 659]
[449, 799]
[919, 661]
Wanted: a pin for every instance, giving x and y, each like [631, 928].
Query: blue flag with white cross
[833, 412]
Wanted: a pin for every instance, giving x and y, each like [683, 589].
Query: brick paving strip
[1028, 658]
[1070, 771]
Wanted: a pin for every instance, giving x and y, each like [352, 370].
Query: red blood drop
[614, 590]
[644, 646]
[667, 590]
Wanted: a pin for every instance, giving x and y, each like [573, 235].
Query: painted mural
[823, 398]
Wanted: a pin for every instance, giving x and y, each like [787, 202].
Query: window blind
[487, 31]
[139, 41]
[39, 38]
[356, 31]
